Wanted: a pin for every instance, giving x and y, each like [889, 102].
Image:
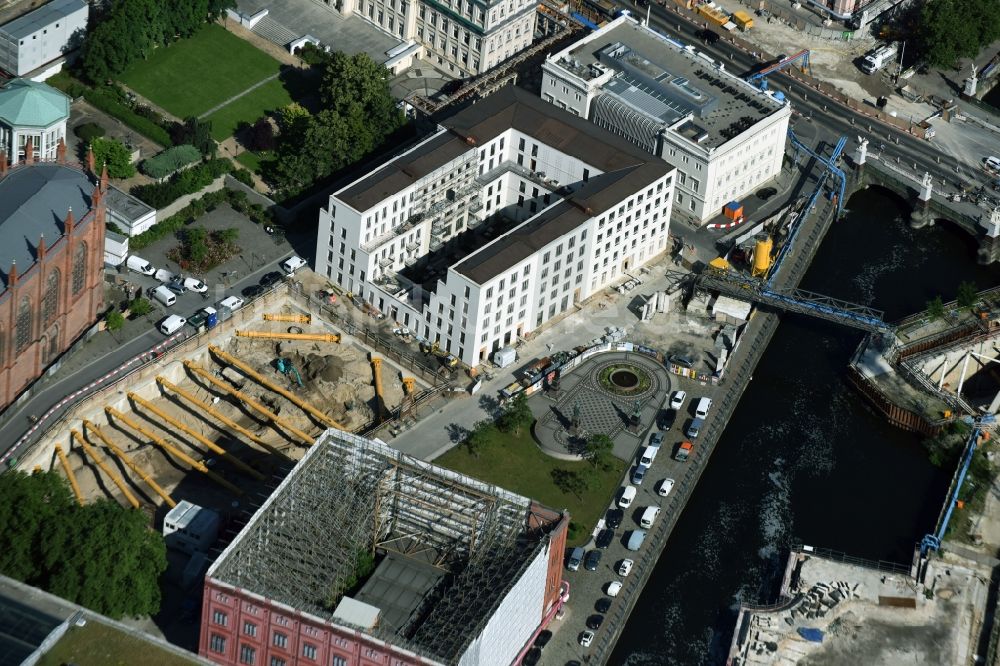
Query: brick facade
[55, 299]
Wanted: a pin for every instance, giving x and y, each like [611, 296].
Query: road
[828, 119]
[17, 423]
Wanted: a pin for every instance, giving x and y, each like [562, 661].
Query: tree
[569, 481]
[197, 133]
[99, 555]
[598, 451]
[967, 294]
[114, 320]
[935, 308]
[953, 29]
[141, 307]
[115, 155]
[515, 415]
[478, 437]
[261, 135]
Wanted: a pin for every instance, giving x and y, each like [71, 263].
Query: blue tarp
[810, 634]
[582, 20]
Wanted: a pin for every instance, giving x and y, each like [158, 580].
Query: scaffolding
[350, 496]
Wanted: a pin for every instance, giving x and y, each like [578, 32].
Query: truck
[683, 451]
[207, 317]
[875, 59]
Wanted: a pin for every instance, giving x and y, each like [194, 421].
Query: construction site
[221, 418]
[366, 555]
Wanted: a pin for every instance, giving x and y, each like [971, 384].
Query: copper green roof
[25, 103]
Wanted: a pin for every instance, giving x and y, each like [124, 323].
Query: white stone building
[35, 112]
[496, 223]
[725, 136]
[36, 39]
[464, 37]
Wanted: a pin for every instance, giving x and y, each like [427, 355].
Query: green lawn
[98, 644]
[269, 97]
[250, 160]
[193, 75]
[517, 464]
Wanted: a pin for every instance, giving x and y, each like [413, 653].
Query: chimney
[68, 223]
[29, 152]
[12, 276]
[41, 247]
[61, 152]
[90, 161]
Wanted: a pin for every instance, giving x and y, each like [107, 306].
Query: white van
[139, 265]
[172, 324]
[649, 455]
[293, 263]
[992, 163]
[627, 496]
[649, 516]
[704, 405]
[164, 295]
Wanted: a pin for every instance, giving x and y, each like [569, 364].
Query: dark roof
[402, 171]
[34, 201]
[23, 629]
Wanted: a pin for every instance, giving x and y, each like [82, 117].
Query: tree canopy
[129, 29]
[515, 415]
[358, 114]
[953, 29]
[115, 155]
[99, 555]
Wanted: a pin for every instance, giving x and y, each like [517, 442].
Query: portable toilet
[213, 318]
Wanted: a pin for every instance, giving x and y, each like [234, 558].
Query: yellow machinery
[260, 379]
[222, 418]
[719, 263]
[248, 401]
[762, 255]
[409, 385]
[264, 335]
[69, 475]
[379, 401]
[295, 318]
[131, 465]
[206, 442]
[99, 461]
[173, 450]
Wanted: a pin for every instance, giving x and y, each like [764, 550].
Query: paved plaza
[598, 410]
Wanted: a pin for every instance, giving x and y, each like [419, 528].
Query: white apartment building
[464, 37]
[41, 36]
[725, 136]
[501, 220]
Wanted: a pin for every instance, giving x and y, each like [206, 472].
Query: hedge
[170, 160]
[194, 210]
[116, 109]
[189, 181]
[89, 131]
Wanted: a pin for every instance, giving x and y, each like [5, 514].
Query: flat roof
[34, 200]
[45, 15]
[661, 79]
[125, 205]
[399, 588]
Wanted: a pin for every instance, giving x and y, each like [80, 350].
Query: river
[804, 459]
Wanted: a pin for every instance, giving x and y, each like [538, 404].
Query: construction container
[713, 13]
[505, 357]
[733, 210]
[742, 20]
[762, 255]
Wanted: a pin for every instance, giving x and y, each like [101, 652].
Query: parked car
[253, 291]
[628, 494]
[665, 487]
[595, 621]
[293, 264]
[604, 538]
[575, 559]
[677, 401]
[586, 638]
[172, 324]
[614, 587]
[592, 561]
[625, 568]
[603, 605]
[177, 286]
[656, 440]
[532, 657]
[273, 277]
[667, 419]
[543, 638]
[639, 474]
[196, 285]
[231, 303]
[613, 518]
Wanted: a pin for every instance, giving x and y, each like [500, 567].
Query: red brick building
[51, 265]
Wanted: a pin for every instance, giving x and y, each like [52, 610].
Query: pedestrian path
[239, 95]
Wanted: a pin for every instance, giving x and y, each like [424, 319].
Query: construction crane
[933, 541]
[131, 465]
[829, 164]
[759, 78]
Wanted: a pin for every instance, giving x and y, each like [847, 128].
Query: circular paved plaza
[603, 394]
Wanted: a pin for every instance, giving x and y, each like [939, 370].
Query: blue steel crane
[933, 541]
[830, 163]
[831, 167]
[759, 78]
